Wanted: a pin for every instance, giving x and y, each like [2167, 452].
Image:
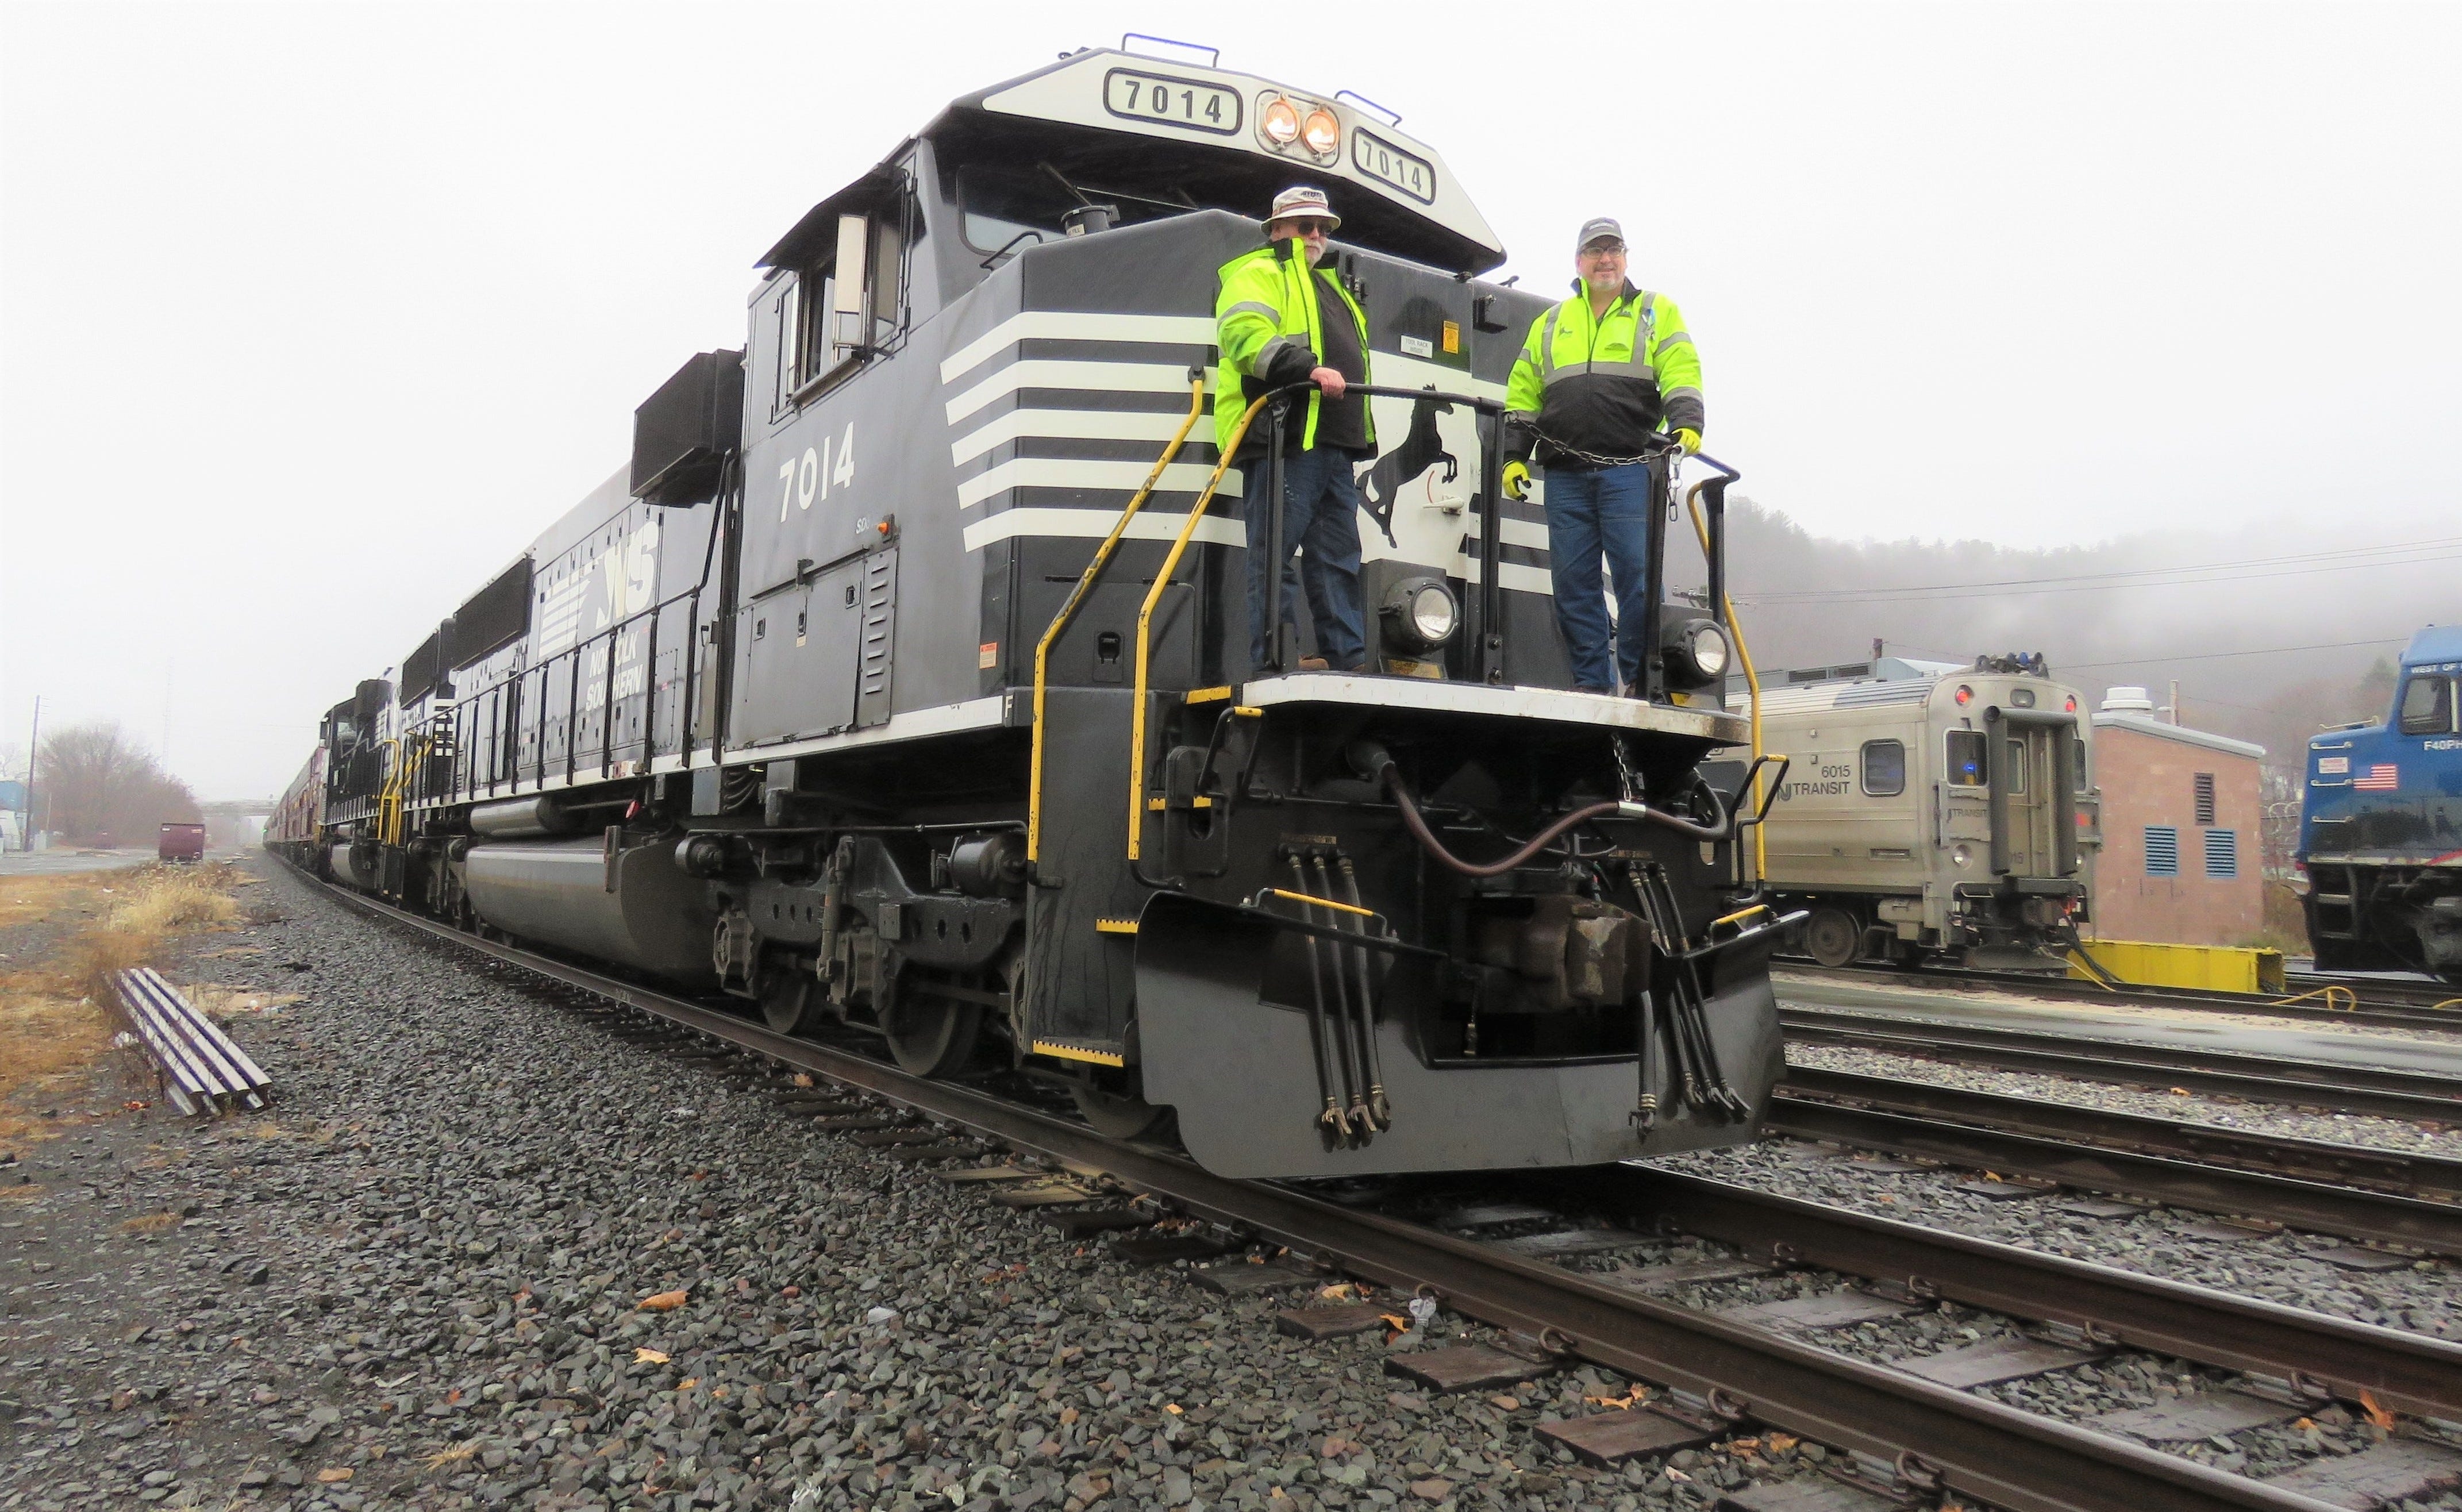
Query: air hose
[1376, 764]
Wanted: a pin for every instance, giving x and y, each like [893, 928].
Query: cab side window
[2428, 704]
[843, 306]
[1966, 757]
[1885, 768]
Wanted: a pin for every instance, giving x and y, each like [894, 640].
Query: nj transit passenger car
[1931, 808]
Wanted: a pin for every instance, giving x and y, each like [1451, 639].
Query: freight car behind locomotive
[901, 686]
[2381, 829]
[1931, 809]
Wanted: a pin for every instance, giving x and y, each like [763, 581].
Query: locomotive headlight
[1961, 856]
[1279, 122]
[1322, 133]
[1419, 614]
[1695, 652]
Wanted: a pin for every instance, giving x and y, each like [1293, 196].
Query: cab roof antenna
[1390, 117]
[1176, 52]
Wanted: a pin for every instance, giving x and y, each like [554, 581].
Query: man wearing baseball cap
[1597, 377]
[1280, 320]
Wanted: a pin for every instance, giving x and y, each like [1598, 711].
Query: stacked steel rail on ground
[202, 1070]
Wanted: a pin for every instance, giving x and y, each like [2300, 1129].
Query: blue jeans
[1589, 512]
[1321, 517]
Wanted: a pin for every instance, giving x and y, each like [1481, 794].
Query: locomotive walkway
[1909, 1429]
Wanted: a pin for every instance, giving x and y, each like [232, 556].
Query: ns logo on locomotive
[905, 687]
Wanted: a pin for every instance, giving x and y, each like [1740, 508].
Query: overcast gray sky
[310, 315]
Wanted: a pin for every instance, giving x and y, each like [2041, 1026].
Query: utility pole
[33, 754]
[2176, 700]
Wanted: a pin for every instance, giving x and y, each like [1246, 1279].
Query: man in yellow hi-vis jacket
[1597, 377]
[1281, 320]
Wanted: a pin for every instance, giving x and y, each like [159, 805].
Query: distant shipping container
[182, 842]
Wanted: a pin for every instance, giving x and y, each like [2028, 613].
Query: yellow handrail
[1752, 682]
[1077, 596]
[1145, 620]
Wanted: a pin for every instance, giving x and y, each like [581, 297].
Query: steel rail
[2411, 1370]
[2039, 1140]
[1935, 1434]
[2312, 1084]
[2406, 1009]
[2401, 1173]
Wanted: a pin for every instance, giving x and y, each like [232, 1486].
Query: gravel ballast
[420, 1282]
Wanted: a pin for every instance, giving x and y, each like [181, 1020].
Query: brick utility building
[2181, 817]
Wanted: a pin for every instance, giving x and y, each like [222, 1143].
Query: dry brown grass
[150, 1223]
[53, 1020]
[217, 1001]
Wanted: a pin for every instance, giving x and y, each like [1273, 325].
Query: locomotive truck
[899, 686]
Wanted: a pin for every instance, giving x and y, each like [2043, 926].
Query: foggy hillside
[2256, 624]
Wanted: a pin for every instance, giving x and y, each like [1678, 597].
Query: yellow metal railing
[1145, 621]
[1752, 684]
[1077, 597]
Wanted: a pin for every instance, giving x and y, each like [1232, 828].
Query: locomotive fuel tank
[592, 898]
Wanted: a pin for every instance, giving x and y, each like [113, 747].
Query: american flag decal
[2382, 777]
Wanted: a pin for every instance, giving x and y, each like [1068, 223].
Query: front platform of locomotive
[1441, 914]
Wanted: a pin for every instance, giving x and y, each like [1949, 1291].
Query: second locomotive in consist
[902, 684]
[1932, 810]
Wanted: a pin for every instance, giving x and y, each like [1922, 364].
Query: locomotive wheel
[1832, 936]
[1118, 1115]
[931, 1036]
[784, 998]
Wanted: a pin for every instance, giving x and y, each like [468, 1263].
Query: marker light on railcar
[2070, 706]
[1965, 694]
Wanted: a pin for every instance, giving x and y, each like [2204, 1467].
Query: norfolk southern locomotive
[901, 684]
[2381, 832]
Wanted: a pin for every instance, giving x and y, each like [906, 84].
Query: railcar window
[2077, 771]
[2427, 705]
[1885, 768]
[1966, 757]
[2017, 765]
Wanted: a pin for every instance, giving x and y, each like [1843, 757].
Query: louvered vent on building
[2222, 853]
[2204, 797]
[2162, 850]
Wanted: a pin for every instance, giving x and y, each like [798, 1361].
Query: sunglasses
[1606, 249]
[1308, 227]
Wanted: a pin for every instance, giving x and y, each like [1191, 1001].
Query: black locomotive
[902, 684]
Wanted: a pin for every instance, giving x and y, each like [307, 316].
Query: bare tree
[94, 784]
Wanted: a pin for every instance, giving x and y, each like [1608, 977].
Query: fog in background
[310, 316]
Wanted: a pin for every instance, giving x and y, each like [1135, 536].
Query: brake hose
[1378, 764]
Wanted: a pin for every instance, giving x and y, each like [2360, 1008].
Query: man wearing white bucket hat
[1280, 320]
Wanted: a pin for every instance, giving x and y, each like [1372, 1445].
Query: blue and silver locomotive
[2381, 830]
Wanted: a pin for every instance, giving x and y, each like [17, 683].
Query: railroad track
[2374, 1003]
[2413, 1200]
[2331, 1085]
[1919, 1435]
